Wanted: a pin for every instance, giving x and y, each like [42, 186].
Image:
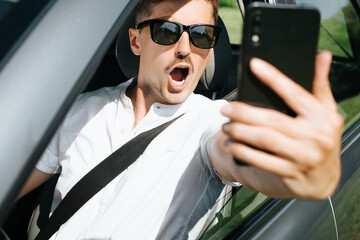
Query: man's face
[169, 74]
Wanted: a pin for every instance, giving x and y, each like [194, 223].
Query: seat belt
[98, 178]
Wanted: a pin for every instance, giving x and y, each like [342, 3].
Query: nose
[183, 48]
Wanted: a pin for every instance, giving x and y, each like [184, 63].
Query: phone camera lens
[256, 29]
[255, 39]
[257, 18]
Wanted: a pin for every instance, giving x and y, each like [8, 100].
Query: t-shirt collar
[157, 108]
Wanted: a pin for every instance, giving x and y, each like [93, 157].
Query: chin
[176, 98]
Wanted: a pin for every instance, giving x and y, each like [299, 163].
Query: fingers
[263, 160]
[262, 138]
[321, 86]
[299, 140]
[304, 154]
[257, 116]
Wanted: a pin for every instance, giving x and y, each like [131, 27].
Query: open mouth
[179, 74]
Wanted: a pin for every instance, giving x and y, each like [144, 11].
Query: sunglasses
[166, 32]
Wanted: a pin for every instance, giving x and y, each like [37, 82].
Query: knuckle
[335, 122]
[312, 158]
[338, 121]
[329, 144]
[326, 142]
[327, 135]
[296, 174]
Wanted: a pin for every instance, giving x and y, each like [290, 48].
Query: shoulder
[199, 103]
[205, 112]
[92, 103]
[98, 98]
[89, 104]
[199, 99]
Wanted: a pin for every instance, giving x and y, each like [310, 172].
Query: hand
[290, 157]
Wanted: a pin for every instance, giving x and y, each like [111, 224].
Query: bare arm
[36, 178]
[301, 156]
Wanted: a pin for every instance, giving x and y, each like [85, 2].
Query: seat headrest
[128, 62]
[216, 72]
[214, 76]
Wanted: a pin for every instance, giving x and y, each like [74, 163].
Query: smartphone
[285, 36]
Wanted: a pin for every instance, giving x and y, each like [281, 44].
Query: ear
[134, 41]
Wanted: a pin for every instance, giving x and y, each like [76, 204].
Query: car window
[243, 204]
[340, 34]
[335, 32]
[346, 204]
[345, 73]
[230, 14]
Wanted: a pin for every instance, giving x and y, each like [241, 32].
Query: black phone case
[287, 38]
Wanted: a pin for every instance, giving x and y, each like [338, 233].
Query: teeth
[179, 82]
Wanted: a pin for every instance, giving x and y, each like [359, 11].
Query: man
[178, 178]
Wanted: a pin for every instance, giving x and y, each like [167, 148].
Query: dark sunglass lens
[165, 33]
[203, 36]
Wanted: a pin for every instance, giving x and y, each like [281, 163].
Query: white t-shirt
[163, 194]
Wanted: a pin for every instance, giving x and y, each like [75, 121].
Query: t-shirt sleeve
[49, 161]
[205, 154]
[83, 109]
[215, 126]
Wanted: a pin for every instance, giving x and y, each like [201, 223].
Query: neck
[140, 102]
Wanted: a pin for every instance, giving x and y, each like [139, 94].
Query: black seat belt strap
[98, 178]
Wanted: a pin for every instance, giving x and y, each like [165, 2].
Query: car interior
[118, 65]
